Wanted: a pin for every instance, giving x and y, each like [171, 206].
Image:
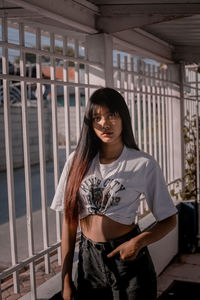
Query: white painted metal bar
[55, 140]
[167, 129]
[119, 71]
[9, 158]
[159, 120]
[78, 113]
[149, 90]
[163, 117]
[42, 157]
[154, 116]
[125, 85]
[141, 207]
[66, 102]
[129, 83]
[171, 138]
[144, 108]
[132, 95]
[27, 170]
[139, 123]
[86, 77]
[77, 96]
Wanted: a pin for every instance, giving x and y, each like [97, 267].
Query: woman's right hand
[69, 291]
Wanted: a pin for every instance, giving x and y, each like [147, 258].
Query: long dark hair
[89, 144]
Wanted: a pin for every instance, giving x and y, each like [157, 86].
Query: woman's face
[107, 125]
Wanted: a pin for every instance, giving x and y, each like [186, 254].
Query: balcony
[53, 58]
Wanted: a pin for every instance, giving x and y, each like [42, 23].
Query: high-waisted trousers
[99, 277]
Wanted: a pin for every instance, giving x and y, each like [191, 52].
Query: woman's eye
[112, 115]
[96, 119]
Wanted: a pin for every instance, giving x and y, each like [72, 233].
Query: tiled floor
[185, 267]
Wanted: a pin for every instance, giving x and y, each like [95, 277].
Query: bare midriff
[100, 228]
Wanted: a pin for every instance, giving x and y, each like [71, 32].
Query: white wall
[163, 251]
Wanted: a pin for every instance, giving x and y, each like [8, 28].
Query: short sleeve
[58, 200]
[157, 195]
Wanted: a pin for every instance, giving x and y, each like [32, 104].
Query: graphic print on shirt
[98, 195]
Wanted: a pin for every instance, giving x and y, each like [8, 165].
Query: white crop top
[114, 189]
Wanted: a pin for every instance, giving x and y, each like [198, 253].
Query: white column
[100, 52]
[178, 72]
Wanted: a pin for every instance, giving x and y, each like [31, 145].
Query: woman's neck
[109, 153]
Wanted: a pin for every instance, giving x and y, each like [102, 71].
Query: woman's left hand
[127, 250]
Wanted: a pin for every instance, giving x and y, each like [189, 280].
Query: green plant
[186, 189]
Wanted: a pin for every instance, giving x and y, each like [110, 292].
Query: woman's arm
[130, 249]
[67, 248]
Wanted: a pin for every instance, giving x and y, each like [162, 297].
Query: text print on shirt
[99, 194]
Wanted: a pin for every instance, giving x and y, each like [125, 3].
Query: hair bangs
[101, 101]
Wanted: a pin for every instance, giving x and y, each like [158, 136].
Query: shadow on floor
[182, 290]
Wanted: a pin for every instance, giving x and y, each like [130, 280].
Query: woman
[101, 185]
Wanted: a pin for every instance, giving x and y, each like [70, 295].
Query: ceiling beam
[121, 23]
[76, 15]
[102, 2]
[143, 45]
[165, 9]
[188, 54]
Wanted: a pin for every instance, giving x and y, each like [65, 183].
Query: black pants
[99, 277]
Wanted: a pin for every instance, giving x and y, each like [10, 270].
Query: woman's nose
[104, 122]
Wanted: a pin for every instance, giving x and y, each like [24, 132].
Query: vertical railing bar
[119, 71]
[27, 169]
[132, 99]
[170, 120]
[86, 76]
[190, 104]
[125, 79]
[154, 115]
[66, 101]
[139, 105]
[141, 207]
[163, 126]
[129, 83]
[159, 119]
[78, 113]
[167, 127]
[149, 109]
[55, 139]
[144, 107]
[77, 95]
[9, 157]
[42, 156]
[136, 79]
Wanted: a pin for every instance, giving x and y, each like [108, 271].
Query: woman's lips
[106, 133]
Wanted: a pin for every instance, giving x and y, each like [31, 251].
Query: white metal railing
[38, 51]
[149, 92]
